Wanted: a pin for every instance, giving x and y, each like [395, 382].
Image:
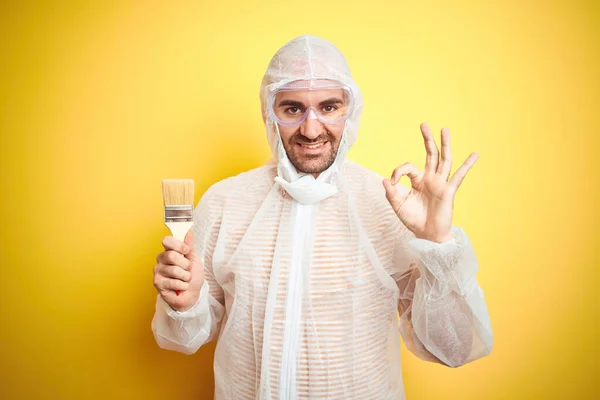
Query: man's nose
[311, 127]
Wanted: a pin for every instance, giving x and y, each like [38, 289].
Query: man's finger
[171, 284]
[431, 162]
[445, 164]
[172, 257]
[170, 243]
[175, 272]
[408, 169]
[460, 173]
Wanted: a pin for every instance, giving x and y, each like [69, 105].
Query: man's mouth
[312, 146]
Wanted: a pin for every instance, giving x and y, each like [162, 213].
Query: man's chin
[315, 166]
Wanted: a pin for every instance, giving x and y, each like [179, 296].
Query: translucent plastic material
[311, 282]
[290, 107]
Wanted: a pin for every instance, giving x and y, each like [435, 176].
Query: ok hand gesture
[426, 209]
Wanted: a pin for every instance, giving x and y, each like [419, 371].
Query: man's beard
[311, 164]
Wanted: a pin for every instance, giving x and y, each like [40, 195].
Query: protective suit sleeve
[443, 314]
[186, 331]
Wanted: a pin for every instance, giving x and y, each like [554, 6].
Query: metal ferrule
[179, 213]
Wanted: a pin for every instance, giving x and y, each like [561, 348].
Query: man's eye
[329, 109]
[292, 110]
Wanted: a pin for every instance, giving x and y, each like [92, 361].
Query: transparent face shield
[328, 101]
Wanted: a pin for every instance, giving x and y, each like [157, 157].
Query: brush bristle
[178, 191]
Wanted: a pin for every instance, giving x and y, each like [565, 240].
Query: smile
[312, 146]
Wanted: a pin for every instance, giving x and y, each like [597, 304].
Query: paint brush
[178, 197]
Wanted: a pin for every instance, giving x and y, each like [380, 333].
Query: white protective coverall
[305, 278]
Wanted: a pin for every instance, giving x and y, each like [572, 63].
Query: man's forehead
[312, 84]
[312, 94]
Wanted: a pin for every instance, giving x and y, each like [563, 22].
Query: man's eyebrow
[331, 100]
[293, 103]
[296, 103]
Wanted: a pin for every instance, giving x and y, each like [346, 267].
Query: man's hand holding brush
[179, 268]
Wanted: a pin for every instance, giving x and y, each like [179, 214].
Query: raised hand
[179, 269]
[426, 209]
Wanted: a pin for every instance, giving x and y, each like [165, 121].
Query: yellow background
[101, 100]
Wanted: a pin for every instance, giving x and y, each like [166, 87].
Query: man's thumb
[390, 191]
[189, 241]
[396, 194]
[189, 238]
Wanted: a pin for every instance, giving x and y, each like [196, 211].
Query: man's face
[312, 145]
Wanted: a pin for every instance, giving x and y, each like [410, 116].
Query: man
[301, 267]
